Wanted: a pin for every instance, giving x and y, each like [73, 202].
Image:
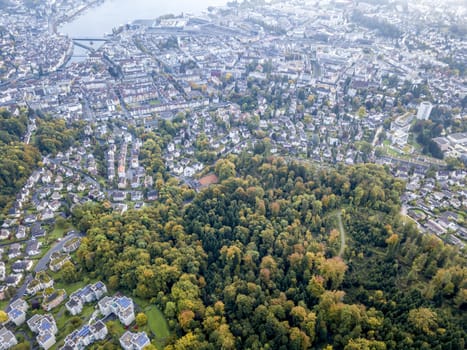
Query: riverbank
[74, 15]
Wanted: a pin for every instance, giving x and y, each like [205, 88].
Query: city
[319, 82]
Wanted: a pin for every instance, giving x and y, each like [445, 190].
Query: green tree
[224, 169]
[365, 344]
[141, 319]
[68, 273]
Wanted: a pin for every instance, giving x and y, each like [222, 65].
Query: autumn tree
[141, 319]
[423, 320]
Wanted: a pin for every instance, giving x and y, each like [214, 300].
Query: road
[42, 263]
[342, 234]
[86, 177]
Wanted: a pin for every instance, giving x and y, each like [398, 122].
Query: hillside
[253, 262]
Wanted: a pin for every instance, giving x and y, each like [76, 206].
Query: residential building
[7, 339]
[424, 110]
[53, 300]
[85, 336]
[72, 245]
[45, 327]
[2, 271]
[134, 341]
[57, 260]
[17, 311]
[122, 307]
[87, 294]
[41, 282]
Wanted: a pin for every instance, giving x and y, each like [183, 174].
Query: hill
[253, 262]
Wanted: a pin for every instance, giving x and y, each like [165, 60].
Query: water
[97, 21]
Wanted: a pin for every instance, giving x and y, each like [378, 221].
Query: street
[42, 264]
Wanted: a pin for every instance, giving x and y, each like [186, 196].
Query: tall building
[424, 110]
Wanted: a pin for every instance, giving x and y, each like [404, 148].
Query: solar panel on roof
[45, 336]
[142, 339]
[45, 325]
[15, 313]
[124, 302]
[83, 331]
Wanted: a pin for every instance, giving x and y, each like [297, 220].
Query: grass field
[70, 287]
[156, 322]
[157, 327]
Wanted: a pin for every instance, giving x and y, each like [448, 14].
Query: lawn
[157, 324]
[69, 287]
[157, 327]
[4, 304]
[58, 232]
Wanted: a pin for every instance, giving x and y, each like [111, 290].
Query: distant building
[424, 110]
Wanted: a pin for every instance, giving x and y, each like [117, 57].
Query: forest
[282, 255]
[18, 159]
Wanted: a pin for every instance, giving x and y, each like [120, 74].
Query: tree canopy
[252, 261]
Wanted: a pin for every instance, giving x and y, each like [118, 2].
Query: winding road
[42, 264]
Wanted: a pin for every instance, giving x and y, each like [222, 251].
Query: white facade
[424, 110]
[7, 339]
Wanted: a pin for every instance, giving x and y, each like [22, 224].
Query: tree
[3, 317]
[185, 319]
[247, 263]
[333, 271]
[150, 347]
[365, 344]
[141, 319]
[424, 320]
[22, 346]
[224, 169]
[69, 273]
[361, 111]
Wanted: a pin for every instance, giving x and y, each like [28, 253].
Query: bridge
[90, 39]
[86, 47]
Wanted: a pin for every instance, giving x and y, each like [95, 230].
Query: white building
[134, 341]
[122, 307]
[7, 339]
[45, 327]
[87, 294]
[424, 110]
[85, 336]
[17, 311]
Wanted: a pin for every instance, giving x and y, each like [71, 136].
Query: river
[101, 19]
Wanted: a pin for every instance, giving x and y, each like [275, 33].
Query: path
[342, 234]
